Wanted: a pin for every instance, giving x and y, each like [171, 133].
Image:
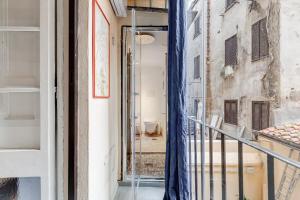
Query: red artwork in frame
[101, 52]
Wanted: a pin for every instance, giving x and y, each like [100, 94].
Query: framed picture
[101, 53]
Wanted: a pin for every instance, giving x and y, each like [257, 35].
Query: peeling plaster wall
[290, 62]
[249, 81]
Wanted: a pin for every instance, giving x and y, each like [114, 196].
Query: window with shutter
[260, 115]
[197, 67]
[231, 51]
[263, 39]
[231, 112]
[260, 44]
[197, 27]
[255, 41]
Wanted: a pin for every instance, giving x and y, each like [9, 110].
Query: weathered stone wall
[289, 110]
[251, 81]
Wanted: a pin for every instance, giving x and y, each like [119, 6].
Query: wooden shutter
[264, 115]
[256, 118]
[255, 41]
[227, 112]
[197, 67]
[260, 115]
[263, 38]
[197, 27]
[231, 51]
[231, 111]
[234, 111]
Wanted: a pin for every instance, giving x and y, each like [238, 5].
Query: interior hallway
[144, 193]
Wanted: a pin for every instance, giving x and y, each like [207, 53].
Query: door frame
[124, 178]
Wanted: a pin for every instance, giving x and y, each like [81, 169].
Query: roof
[287, 133]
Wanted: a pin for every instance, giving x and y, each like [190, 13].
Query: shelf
[2, 150]
[19, 90]
[19, 122]
[19, 29]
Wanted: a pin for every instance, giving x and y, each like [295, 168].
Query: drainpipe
[208, 80]
[203, 95]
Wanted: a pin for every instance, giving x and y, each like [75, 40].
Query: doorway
[149, 105]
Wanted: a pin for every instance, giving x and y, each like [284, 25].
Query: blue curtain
[177, 184]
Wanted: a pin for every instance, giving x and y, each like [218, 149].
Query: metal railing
[195, 132]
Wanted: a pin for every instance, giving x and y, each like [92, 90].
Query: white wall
[152, 95]
[103, 122]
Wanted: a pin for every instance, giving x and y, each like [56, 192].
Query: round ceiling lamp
[144, 38]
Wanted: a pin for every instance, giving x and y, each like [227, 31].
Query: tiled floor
[144, 193]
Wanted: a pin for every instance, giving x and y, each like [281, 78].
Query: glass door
[134, 109]
[131, 102]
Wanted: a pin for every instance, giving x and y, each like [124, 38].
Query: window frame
[260, 25]
[231, 119]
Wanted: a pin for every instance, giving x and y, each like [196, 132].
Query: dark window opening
[197, 27]
[197, 67]
[190, 17]
[260, 44]
[231, 51]
[229, 3]
[231, 112]
[260, 115]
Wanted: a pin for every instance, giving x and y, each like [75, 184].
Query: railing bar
[202, 143]
[255, 146]
[195, 161]
[223, 160]
[241, 171]
[271, 187]
[211, 174]
[190, 160]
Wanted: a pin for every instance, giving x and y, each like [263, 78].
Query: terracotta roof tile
[288, 132]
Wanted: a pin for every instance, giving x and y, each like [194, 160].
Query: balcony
[233, 167]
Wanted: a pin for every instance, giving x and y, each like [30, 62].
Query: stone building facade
[257, 74]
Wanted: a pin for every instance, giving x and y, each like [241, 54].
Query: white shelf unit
[20, 74]
[27, 98]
